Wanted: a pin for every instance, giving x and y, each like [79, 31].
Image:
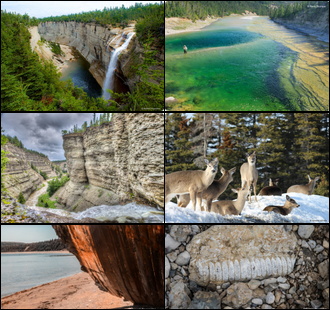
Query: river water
[77, 70]
[23, 271]
[247, 64]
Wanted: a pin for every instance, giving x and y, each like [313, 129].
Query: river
[247, 64]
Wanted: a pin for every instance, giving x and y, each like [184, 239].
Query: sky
[42, 9]
[27, 233]
[42, 132]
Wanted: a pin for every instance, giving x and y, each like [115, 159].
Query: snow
[313, 209]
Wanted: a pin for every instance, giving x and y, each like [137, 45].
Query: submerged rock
[125, 260]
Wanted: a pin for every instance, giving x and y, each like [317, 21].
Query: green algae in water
[229, 71]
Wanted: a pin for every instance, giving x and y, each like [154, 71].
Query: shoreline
[74, 292]
[186, 24]
[39, 252]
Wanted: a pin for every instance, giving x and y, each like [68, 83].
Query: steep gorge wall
[19, 176]
[89, 39]
[115, 162]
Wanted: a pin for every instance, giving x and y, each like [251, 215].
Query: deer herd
[199, 185]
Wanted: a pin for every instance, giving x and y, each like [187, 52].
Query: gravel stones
[305, 231]
[238, 252]
[238, 294]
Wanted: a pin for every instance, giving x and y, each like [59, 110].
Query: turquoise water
[23, 271]
[230, 66]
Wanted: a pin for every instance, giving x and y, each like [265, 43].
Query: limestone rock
[114, 162]
[125, 260]
[231, 253]
[305, 231]
[179, 295]
[238, 294]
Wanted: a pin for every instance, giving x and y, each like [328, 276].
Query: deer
[289, 205]
[191, 181]
[213, 191]
[304, 189]
[230, 207]
[249, 174]
[271, 190]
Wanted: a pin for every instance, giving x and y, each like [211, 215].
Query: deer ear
[223, 170]
[309, 178]
[287, 197]
[206, 161]
[234, 190]
[232, 170]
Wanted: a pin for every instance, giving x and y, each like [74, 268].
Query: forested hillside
[51, 245]
[289, 146]
[31, 84]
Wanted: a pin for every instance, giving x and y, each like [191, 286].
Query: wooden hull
[125, 260]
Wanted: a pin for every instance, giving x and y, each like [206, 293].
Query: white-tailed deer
[249, 174]
[271, 190]
[213, 191]
[304, 189]
[190, 181]
[231, 207]
[289, 205]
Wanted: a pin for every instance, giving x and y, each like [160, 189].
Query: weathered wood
[125, 260]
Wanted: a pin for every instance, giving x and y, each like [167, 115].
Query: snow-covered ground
[313, 209]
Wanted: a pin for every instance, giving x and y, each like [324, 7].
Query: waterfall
[109, 79]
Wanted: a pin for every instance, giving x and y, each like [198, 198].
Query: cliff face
[115, 162]
[90, 39]
[125, 260]
[19, 176]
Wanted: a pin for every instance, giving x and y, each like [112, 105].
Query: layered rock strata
[115, 162]
[91, 40]
[19, 176]
[240, 253]
[125, 260]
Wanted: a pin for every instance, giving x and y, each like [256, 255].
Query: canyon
[93, 42]
[124, 260]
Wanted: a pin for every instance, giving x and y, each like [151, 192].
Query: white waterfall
[109, 79]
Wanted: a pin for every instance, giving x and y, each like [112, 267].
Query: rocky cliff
[19, 176]
[115, 162]
[313, 21]
[91, 40]
[125, 260]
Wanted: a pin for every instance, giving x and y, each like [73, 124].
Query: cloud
[42, 132]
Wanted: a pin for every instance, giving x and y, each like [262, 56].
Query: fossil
[240, 253]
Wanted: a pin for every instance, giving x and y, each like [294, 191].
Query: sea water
[23, 271]
[239, 64]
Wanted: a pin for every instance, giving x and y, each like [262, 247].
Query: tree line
[50, 245]
[289, 10]
[289, 146]
[95, 121]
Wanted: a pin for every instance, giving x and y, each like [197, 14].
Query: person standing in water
[185, 49]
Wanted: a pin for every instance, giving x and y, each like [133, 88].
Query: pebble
[253, 284]
[305, 231]
[325, 244]
[312, 244]
[316, 304]
[183, 258]
[319, 248]
[270, 298]
[284, 286]
[257, 301]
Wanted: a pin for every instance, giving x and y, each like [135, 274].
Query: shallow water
[247, 64]
[23, 271]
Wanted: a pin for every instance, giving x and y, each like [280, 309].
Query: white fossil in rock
[241, 253]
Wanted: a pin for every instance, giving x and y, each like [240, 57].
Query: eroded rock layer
[19, 177]
[125, 260]
[115, 162]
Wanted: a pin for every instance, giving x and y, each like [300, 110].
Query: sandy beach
[75, 292]
[175, 25]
